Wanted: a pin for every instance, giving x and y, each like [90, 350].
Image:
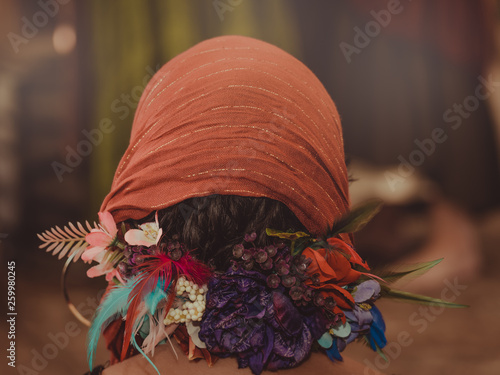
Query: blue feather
[333, 353]
[115, 304]
[376, 338]
[378, 320]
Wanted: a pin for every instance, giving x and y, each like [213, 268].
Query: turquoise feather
[156, 296]
[115, 304]
[144, 354]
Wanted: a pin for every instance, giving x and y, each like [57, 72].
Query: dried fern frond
[67, 241]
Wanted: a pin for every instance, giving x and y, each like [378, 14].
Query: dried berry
[282, 268]
[175, 254]
[234, 265]
[301, 267]
[330, 303]
[271, 250]
[296, 293]
[308, 294]
[267, 265]
[319, 300]
[247, 254]
[248, 265]
[288, 281]
[315, 279]
[238, 250]
[260, 256]
[250, 237]
[273, 281]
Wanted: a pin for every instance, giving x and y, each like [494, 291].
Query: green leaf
[286, 235]
[413, 270]
[296, 238]
[356, 219]
[299, 245]
[417, 298]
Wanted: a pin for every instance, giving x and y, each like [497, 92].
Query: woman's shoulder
[167, 363]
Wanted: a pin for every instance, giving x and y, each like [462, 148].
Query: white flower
[148, 235]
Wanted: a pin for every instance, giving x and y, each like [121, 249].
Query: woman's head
[234, 116]
[231, 138]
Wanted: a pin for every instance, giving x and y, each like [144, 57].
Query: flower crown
[270, 308]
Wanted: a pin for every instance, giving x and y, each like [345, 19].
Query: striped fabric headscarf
[234, 116]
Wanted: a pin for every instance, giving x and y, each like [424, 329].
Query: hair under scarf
[234, 116]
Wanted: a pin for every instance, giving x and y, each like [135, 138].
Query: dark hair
[213, 225]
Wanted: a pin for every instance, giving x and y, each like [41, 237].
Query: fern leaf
[82, 246]
[58, 248]
[52, 246]
[65, 249]
[61, 232]
[80, 226]
[69, 241]
[75, 229]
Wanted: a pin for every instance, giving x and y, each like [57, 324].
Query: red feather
[155, 268]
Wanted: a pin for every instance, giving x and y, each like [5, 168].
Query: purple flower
[360, 317]
[260, 325]
[366, 291]
[364, 319]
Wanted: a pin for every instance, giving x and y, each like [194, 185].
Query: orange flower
[353, 256]
[331, 269]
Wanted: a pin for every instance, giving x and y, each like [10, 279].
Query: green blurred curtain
[132, 37]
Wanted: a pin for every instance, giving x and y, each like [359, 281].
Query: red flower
[353, 256]
[331, 269]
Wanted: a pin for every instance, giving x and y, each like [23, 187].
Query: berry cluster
[134, 255]
[190, 302]
[276, 262]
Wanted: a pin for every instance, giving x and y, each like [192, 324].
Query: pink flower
[102, 238]
[99, 240]
[148, 235]
[104, 269]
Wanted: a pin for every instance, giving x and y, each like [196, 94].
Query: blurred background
[415, 82]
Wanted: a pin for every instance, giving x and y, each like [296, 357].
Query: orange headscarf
[234, 116]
